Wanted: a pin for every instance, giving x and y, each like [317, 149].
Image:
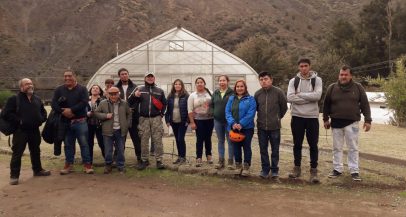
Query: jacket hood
[313, 74]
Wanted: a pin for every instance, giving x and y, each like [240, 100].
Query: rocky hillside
[40, 38]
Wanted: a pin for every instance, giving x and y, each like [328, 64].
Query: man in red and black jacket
[152, 105]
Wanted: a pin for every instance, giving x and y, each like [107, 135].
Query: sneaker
[42, 173]
[88, 169]
[356, 177]
[274, 175]
[245, 170]
[334, 174]
[107, 169]
[68, 168]
[142, 165]
[209, 159]
[230, 164]
[264, 174]
[160, 165]
[177, 161]
[199, 162]
[296, 172]
[13, 181]
[182, 160]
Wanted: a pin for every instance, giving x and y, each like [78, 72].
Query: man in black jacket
[28, 112]
[126, 87]
[70, 100]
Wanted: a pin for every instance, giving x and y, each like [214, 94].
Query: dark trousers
[264, 138]
[20, 140]
[204, 131]
[245, 145]
[135, 139]
[95, 131]
[179, 130]
[310, 127]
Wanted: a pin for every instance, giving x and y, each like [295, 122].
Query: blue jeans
[204, 131]
[179, 130]
[245, 145]
[118, 141]
[264, 138]
[79, 131]
[222, 133]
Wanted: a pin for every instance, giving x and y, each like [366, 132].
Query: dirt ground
[168, 193]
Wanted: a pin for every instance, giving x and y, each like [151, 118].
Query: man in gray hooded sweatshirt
[304, 92]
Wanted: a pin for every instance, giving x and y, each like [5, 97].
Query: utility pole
[389, 11]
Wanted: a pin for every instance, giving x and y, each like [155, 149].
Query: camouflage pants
[151, 128]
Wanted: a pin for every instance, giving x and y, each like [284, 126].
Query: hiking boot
[160, 165]
[142, 165]
[220, 164]
[121, 170]
[264, 174]
[13, 181]
[199, 162]
[238, 167]
[107, 169]
[88, 169]
[296, 171]
[68, 168]
[209, 159]
[356, 177]
[230, 164]
[245, 170]
[314, 179]
[42, 173]
[334, 174]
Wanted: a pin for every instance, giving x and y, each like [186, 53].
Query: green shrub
[4, 95]
[395, 91]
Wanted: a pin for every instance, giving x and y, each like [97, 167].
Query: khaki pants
[151, 128]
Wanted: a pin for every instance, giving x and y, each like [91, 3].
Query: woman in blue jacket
[176, 116]
[240, 113]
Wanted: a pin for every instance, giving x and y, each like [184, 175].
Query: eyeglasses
[113, 94]
[109, 83]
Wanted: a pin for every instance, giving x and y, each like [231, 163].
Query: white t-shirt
[199, 104]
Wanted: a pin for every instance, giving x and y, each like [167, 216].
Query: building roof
[177, 51]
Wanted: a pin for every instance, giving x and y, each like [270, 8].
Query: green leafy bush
[395, 91]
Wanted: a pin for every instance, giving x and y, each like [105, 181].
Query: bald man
[27, 111]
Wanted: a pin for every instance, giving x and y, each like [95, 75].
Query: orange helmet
[236, 136]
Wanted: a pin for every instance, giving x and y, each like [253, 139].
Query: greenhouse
[178, 53]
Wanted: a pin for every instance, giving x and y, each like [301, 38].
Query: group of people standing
[125, 108]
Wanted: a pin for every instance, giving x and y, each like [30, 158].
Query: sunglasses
[109, 83]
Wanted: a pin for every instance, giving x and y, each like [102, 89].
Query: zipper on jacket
[266, 109]
[150, 101]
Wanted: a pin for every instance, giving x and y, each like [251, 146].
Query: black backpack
[8, 127]
[297, 80]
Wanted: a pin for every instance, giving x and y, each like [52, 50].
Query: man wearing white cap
[152, 104]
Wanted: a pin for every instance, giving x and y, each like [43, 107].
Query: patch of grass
[402, 194]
